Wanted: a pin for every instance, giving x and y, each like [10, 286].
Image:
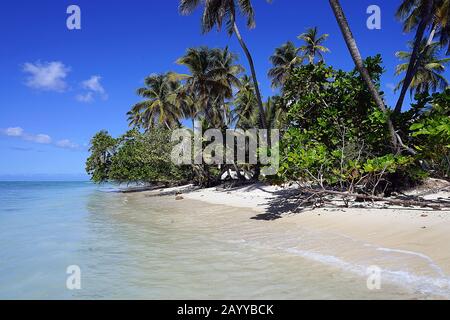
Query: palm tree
[159, 108]
[187, 103]
[213, 75]
[217, 12]
[274, 113]
[226, 71]
[283, 60]
[313, 44]
[442, 15]
[245, 104]
[428, 76]
[415, 14]
[356, 56]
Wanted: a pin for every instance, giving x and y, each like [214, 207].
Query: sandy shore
[413, 241]
[411, 230]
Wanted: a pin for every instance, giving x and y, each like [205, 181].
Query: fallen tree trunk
[402, 202]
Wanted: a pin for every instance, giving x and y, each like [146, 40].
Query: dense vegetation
[336, 131]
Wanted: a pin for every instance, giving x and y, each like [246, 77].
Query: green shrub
[430, 133]
[336, 135]
[135, 157]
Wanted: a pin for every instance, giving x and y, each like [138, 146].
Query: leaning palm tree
[217, 12]
[313, 44]
[283, 60]
[415, 14]
[428, 76]
[158, 108]
[359, 63]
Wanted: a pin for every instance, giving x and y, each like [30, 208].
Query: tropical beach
[245, 150]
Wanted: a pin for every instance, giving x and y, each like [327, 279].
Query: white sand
[418, 231]
[256, 197]
[417, 239]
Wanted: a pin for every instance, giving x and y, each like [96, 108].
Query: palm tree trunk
[412, 66]
[432, 33]
[356, 55]
[262, 120]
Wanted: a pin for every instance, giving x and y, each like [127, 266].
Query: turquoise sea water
[41, 226]
[131, 246]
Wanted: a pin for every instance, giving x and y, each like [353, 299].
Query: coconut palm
[283, 60]
[428, 76]
[245, 104]
[274, 113]
[213, 74]
[218, 12]
[442, 14]
[357, 58]
[226, 71]
[416, 14]
[313, 44]
[159, 108]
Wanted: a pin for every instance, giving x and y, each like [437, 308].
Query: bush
[336, 135]
[430, 133]
[135, 157]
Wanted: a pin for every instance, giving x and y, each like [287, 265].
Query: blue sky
[58, 87]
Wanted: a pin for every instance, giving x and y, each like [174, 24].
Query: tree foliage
[337, 136]
[135, 157]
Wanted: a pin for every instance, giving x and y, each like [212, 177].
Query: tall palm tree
[159, 107]
[283, 60]
[428, 76]
[245, 104]
[313, 44]
[415, 14]
[187, 103]
[217, 12]
[356, 56]
[213, 75]
[442, 14]
[274, 113]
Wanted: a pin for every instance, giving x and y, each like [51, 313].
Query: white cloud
[93, 87]
[391, 86]
[13, 132]
[47, 76]
[94, 84]
[41, 138]
[86, 98]
[38, 138]
[66, 144]
[18, 132]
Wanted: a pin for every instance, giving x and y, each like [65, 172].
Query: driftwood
[433, 204]
[141, 189]
[173, 192]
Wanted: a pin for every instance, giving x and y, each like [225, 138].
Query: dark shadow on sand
[295, 201]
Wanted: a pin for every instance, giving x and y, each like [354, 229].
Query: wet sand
[410, 245]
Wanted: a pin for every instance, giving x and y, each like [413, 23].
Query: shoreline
[417, 237]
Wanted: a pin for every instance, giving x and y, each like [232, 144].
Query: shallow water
[134, 246]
